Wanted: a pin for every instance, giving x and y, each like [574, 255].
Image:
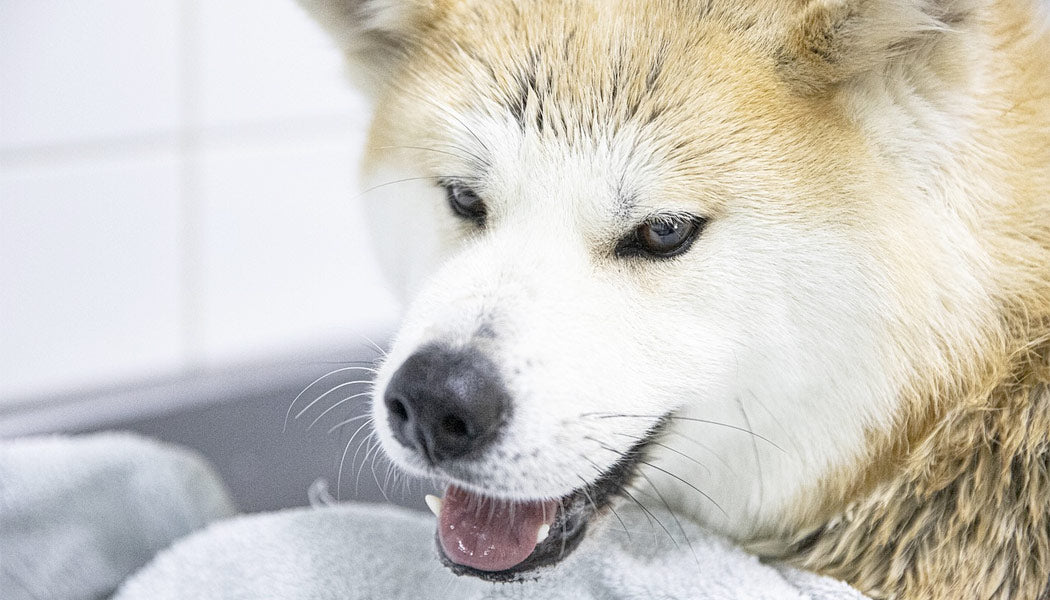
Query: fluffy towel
[379, 552]
[78, 515]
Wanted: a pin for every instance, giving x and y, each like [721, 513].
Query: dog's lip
[566, 532]
[576, 511]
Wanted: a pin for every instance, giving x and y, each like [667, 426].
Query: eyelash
[465, 203]
[659, 237]
[642, 242]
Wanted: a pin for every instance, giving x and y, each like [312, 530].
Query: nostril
[455, 426]
[444, 404]
[397, 408]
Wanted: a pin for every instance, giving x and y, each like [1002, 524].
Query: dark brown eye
[661, 237]
[465, 203]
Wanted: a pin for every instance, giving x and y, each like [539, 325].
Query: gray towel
[353, 552]
[79, 514]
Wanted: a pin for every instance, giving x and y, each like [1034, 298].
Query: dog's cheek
[411, 229]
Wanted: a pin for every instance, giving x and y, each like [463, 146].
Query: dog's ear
[374, 34]
[831, 41]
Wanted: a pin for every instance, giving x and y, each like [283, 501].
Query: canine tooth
[434, 503]
[542, 532]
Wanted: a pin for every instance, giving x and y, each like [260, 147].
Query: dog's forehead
[653, 104]
[560, 105]
[580, 72]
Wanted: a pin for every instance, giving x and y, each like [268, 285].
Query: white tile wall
[284, 252]
[264, 59]
[177, 189]
[73, 71]
[89, 276]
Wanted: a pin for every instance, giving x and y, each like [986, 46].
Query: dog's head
[667, 251]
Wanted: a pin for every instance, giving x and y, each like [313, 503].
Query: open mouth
[503, 540]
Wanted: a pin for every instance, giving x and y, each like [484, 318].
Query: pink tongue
[489, 534]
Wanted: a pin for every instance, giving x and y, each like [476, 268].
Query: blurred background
[181, 245]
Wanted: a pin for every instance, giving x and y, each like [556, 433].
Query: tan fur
[955, 502]
[961, 511]
[815, 111]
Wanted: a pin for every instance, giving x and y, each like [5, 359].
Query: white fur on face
[761, 340]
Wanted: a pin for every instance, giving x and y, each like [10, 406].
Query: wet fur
[918, 130]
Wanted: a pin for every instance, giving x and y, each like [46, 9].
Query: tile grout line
[191, 214]
[329, 128]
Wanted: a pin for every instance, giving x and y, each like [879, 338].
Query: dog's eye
[465, 203]
[661, 237]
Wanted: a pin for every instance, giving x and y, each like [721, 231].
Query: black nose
[445, 403]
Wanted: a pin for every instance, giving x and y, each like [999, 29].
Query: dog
[780, 266]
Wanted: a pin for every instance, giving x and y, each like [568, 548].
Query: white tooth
[543, 532]
[434, 503]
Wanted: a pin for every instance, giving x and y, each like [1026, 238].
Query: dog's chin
[474, 549]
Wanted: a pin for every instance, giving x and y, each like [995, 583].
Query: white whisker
[313, 383]
[333, 406]
[324, 395]
[373, 445]
[348, 421]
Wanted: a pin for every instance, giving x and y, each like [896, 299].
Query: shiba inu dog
[781, 266]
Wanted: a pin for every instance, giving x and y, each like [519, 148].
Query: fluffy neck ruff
[960, 508]
[954, 502]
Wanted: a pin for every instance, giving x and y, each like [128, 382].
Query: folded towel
[352, 552]
[78, 515]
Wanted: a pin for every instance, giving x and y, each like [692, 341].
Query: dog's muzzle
[448, 406]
